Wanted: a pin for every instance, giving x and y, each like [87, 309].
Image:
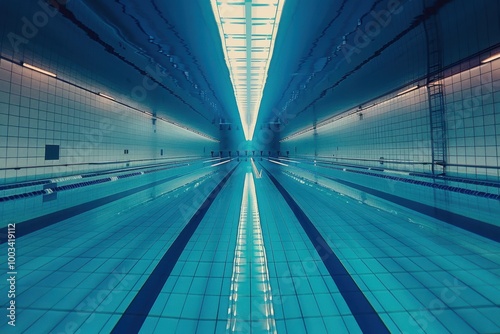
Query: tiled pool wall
[397, 128]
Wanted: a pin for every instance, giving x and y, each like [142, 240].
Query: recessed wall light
[107, 96]
[34, 68]
[496, 56]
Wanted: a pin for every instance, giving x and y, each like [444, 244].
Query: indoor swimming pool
[250, 167]
[250, 246]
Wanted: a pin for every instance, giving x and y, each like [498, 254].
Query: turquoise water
[249, 266]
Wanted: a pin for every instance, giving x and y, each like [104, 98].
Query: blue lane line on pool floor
[138, 310]
[472, 225]
[367, 318]
[31, 225]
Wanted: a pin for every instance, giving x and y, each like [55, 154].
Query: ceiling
[321, 65]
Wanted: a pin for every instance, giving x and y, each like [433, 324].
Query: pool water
[292, 249]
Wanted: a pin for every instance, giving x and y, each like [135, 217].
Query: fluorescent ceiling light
[408, 90]
[261, 43]
[231, 11]
[491, 58]
[107, 96]
[234, 28]
[235, 42]
[248, 31]
[264, 12]
[39, 70]
[265, 2]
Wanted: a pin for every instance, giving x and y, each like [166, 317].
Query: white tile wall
[473, 119]
[36, 110]
[396, 129]
[399, 128]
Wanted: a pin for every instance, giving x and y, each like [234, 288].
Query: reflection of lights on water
[249, 229]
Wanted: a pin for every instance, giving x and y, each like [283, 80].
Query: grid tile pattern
[397, 128]
[83, 272]
[196, 294]
[39, 110]
[304, 294]
[418, 273]
[473, 121]
[26, 208]
[483, 208]
[419, 277]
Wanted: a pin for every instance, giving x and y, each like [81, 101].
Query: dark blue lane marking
[138, 310]
[472, 225]
[38, 223]
[478, 227]
[367, 318]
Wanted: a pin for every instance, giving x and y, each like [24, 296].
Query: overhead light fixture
[34, 68]
[107, 96]
[408, 90]
[248, 31]
[491, 58]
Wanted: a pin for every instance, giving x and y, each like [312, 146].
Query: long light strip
[496, 56]
[258, 175]
[221, 163]
[34, 68]
[218, 159]
[408, 90]
[293, 161]
[277, 162]
[248, 31]
[111, 98]
[250, 270]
